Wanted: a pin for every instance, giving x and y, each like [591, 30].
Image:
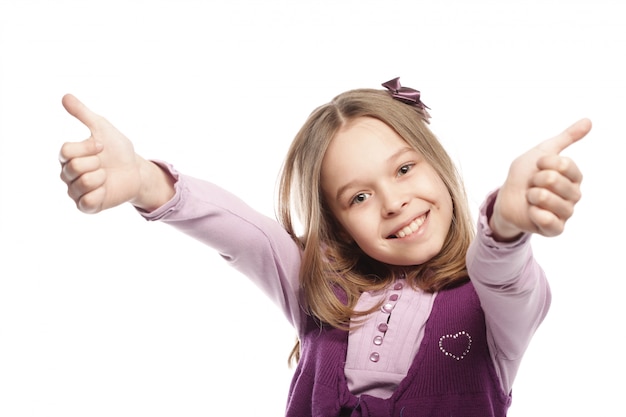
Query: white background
[109, 315]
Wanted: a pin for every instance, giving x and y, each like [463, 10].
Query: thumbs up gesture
[541, 189]
[104, 171]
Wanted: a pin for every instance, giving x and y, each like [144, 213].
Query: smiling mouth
[410, 228]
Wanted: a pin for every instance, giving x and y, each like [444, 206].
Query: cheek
[341, 225]
[439, 189]
[448, 212]
[445, 204]
[352, 227]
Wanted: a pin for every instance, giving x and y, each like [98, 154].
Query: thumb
[77, 109]
[571, 135]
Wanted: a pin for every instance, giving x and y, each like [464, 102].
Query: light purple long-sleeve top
[512, 287]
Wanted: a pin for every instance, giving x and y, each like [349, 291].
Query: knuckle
[88, 204]
[64, 152]
[565, 164]
[90, 181]
[551, 178]
[75, 190]
[64, 177]
[546, 223]
[71, 192]
[71, 168]
[540, 196]
[551, 227]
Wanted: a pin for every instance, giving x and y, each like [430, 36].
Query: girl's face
[388, 199]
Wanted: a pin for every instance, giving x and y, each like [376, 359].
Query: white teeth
[412, 227]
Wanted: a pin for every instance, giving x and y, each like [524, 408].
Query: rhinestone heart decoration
[457, 345]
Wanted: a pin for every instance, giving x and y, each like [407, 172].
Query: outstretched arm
[541, 189]
[538, 196]
[104, 171]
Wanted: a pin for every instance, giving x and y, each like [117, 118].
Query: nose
[393, 202]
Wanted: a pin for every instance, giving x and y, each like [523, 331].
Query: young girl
[399, 309]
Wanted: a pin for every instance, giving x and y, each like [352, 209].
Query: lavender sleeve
[513, 292]
[251, 242]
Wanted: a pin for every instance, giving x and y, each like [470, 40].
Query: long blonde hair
[332, 265]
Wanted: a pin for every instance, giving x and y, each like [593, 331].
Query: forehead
[361, 145]
[365, 137]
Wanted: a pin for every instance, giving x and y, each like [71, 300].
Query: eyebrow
[352, 183]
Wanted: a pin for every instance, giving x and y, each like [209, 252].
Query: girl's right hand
[104, 171]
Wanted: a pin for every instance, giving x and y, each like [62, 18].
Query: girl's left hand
[541, 189]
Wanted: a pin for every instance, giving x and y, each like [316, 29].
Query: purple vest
[452, 374]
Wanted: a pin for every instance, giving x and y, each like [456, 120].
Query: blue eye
[359, 198]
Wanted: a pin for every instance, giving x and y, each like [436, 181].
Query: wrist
[503, 231]
[156, 186]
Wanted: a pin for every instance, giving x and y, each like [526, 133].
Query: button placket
[386, 310]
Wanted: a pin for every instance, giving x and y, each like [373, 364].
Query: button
[383, 327]
[398, 286]
[378, 340]
[387, 308]
[375, 357]
[393, 297]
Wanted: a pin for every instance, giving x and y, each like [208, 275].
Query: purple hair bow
[406, 95]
